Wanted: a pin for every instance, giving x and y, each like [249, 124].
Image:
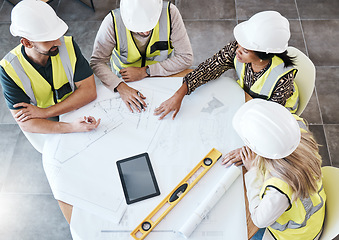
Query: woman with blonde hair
[284, 185]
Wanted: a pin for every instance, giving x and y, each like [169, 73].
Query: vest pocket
[161, 45]
[61, 92]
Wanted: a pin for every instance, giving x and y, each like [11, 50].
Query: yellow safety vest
[33, 84]
[126, 52]
[263, 86]
[303, 219]
[301, 122]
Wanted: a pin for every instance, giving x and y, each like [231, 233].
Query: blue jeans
[259, 234]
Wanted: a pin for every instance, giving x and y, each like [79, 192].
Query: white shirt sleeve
[105, 43]
[266, 211]
[102, 50]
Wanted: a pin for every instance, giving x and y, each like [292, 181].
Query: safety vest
[40, 92]
[301, 122]
[263, 86]
[303, 219]
[126, 52]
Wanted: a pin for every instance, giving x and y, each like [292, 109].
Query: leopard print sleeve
[211, 68]
[284, 89]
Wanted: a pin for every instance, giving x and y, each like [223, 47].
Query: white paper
[211, 199]
[88, 179]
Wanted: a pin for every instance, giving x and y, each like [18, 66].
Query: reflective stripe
[302, 125]
[33, 84]
[264, 85]
[272, 78]
[120, 39]
[162, 36]
[126, 52]
[26, 82]
[270, 81]
[296, 104]
[239, 68]
[66, 63]
[309, 209]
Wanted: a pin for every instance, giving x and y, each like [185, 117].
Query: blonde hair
[301, 169]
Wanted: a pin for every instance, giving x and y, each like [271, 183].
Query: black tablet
[137, 178]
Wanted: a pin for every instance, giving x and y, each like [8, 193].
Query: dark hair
[289, 61]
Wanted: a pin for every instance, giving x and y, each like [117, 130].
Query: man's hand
[29, 111]
[85, 124]
[131, 97]
[131, 74]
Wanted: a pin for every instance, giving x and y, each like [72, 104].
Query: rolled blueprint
[208, 203]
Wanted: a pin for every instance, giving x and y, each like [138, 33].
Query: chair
[330, 183]
[305, 78]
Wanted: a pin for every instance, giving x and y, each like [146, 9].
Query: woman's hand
[232, 157]
[247, 157]
[172, 104]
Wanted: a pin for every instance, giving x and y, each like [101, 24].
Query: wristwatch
[148, 71]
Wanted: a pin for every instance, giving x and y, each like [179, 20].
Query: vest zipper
[143, 56]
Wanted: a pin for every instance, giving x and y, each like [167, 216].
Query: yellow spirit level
[166, 205]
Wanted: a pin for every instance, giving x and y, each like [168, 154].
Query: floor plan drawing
[114, 114]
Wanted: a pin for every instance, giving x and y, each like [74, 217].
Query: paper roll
[208, 203]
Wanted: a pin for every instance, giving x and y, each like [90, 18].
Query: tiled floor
[27, 207]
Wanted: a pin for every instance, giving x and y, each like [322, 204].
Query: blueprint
[81, 168]
[113, 114]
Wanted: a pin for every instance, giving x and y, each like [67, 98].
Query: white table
[82, 172]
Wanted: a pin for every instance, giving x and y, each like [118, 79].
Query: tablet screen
[137, 178]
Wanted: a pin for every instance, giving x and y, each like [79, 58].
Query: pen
[142, 106]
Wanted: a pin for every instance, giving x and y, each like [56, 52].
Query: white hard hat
[267, 128]
[266, 31]
[36, 21]
[140, 15]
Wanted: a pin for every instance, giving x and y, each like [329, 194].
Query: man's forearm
[84, 94]
[183, 53]
[171, 66]
[46, 126]
[104, 73]
[102, 50]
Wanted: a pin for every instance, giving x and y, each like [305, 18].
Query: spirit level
[169, 202]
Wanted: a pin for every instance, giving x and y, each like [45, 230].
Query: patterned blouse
[214, 67]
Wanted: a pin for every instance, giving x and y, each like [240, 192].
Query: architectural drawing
[113, 114]
[211, 105]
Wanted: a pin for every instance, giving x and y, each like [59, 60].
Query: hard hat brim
[56, 34]
[36, 21]
[267, 128]
[137, 26]
[53, 35]
[242, 37]
[265, 31]
[140, 20]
